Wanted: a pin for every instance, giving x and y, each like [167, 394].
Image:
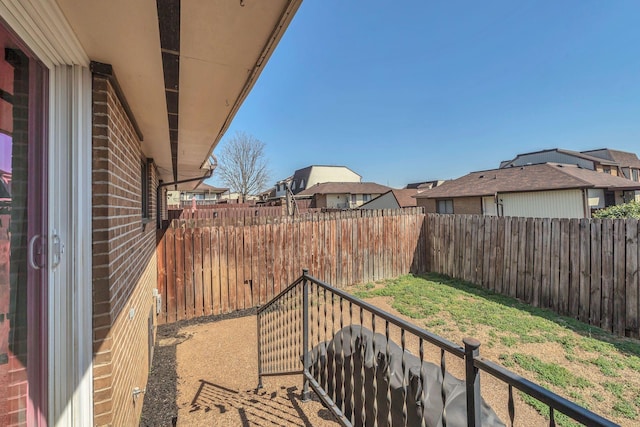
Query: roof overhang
[184, 67]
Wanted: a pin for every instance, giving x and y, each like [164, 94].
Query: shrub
[626, 210]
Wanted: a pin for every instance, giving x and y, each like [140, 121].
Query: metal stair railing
[301, 326]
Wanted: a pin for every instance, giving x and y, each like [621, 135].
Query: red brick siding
[461, 205]
[429, 205]
[467, 206]
[124, 261]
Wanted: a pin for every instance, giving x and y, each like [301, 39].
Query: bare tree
[242, 165]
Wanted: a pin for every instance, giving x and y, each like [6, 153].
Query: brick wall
[429, 205]
[124, 261]
[467, 206]
[461, 205]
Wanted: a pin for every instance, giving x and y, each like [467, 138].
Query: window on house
[144, 187]
[628, 196]
[444, 206]
[293, 185]
[606, 169]
[301, 184]
[634, 174]
[366, 197]
[353, 199]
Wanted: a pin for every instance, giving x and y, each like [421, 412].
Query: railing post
[259, 351]
[305, 335]
[472, 374]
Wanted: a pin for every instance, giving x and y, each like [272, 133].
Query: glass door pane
[23, 299]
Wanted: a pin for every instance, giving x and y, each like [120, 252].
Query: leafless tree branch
[242, 165]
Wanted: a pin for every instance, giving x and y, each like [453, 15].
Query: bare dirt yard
[205, 374]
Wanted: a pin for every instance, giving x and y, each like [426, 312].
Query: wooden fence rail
[218, 269]
[244, 218]
[587, 269]
[234, 210]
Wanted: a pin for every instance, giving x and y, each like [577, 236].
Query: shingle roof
[539, 177]
[345, 188]
[210, 188]
[423, 184]
[405, 197]
[581, 155]
[302, 175]
[622, 158]
[586, 156]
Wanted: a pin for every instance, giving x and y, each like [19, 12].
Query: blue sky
[406, 91]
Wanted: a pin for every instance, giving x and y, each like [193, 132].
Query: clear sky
[415, 90]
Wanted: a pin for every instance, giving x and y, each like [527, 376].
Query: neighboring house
[425, 185]
[281, 187]
[203, 193]
[235, 197]
[316, 174]
[614, 162]
[342, 195]
[267, 195]
[393, 199]
[543, 190]
[117, 101]
[604, 160]
[627, 163]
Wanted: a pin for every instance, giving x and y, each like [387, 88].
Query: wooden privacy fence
[308, 215]
[219, 269]
[584, 268]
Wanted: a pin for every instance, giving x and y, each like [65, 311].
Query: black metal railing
[347, 351]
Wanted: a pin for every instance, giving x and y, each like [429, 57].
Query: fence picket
[574, 268]
[179, 278]
[529, 261]
[606, 307]
[216, 297]
[585, 279]
[631, 278]
[595, 291]
[198, 274]
[564, 261]
[162, 272]
[554, 272]
[170, 254]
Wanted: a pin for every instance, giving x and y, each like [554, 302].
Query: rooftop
[539, 177]
[345, 188]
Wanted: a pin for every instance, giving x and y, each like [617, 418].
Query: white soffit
[224, 46]
[125, 34]
[220, 44]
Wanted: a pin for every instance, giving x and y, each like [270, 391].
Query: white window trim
[43, 27]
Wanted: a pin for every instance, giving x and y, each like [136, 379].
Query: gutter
[182, 181]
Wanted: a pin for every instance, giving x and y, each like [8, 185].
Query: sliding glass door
[23, 213]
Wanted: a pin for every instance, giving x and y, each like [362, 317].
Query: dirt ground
[206, 374]
[214, 381]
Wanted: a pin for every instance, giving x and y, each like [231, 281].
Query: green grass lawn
[580, 362]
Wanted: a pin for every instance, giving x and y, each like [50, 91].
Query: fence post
[259, 351]
[472, 374]
[305, 335]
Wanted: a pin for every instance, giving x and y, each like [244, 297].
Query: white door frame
[43, 28]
